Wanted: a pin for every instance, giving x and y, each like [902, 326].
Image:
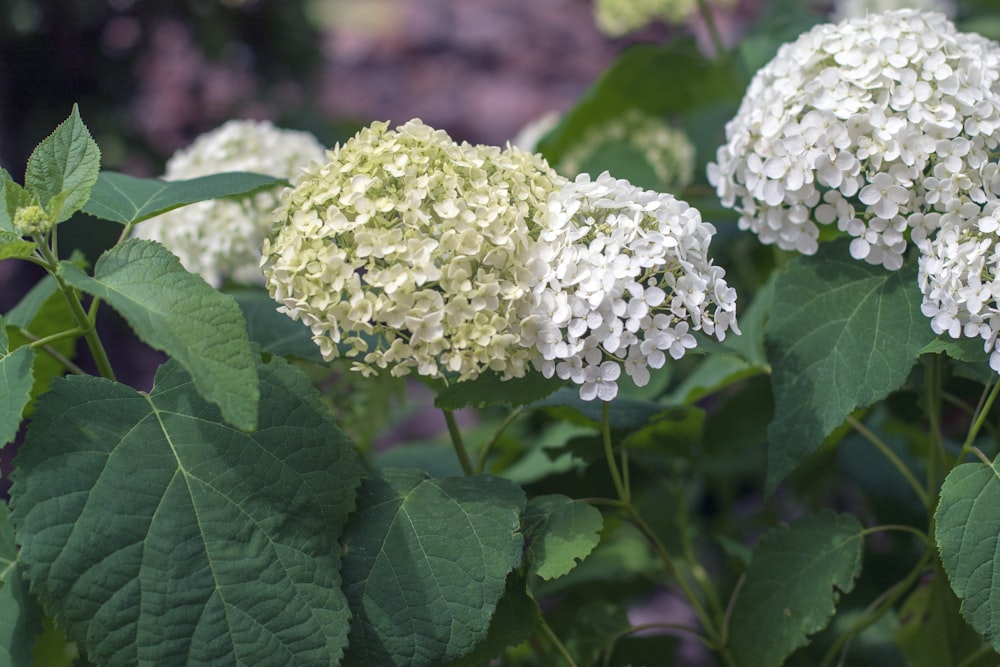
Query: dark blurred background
[150, 75]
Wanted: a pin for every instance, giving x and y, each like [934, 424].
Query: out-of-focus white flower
[220, 239]
[414, 252]
[667, 150]
[960, 280]
[878, 125]
[632, 283]
[853, 9]
[618, 17]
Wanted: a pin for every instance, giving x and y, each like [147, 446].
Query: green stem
[892, 457]
[456, 441]
[610, 652]
[713, 30]
[981, 412]
[609, 454]
[84, 320]
[484, 452]
[877, 609]
[932, 382]
[41, 343]
[45, 341]
[560, 648]
[902, 528]
[977, 655]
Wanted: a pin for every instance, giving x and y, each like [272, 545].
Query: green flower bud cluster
[32, 220]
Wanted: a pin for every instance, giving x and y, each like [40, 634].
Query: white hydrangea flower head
[220, 239]
[412, 252]
[877, 125]
[628, 289]
[666, 149]
[853, 9]
[959, 276]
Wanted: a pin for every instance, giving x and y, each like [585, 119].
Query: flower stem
[713, 29]
[84, 320]
[560, 648]
[457, 443]
[893, 458]
[484, 452]
[984, 408]
[609, 454]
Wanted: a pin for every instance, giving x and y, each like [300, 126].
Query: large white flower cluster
[630, 287]
[878, 125]
[413, 253]
[220, 239]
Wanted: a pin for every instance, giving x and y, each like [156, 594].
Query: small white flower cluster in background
[413, 253]
[631, 284]
[220, 239]
[877, 125]
[854, 9]
[888, 127]
[667, 150]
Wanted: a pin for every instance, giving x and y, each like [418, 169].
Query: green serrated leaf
[425, 564]
[792, 586]
[967, 531]
[489, 389]
[20, 615]
[127, 199]
[516, 618]
[16, 380]
[63, 168]
[177, 312]
[14, 197]
[842, 334]
[154, 533]
[12, 246]
[561, 533]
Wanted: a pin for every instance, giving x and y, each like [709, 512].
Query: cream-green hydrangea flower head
[410, 252]
[220, 239]
[666, 150]
[618, 17]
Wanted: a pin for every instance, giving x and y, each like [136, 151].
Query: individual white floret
[220, 239]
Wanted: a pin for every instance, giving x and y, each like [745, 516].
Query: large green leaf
[63, 168]
[516, 618]
[967, 530]
[842, 334]
[275, 332]
[425, 563]
[179, 313]
[20, 615]
[792, 585]
[490, 389]
[157, 534]
[16, 380]
[127, 199]
[562, 532]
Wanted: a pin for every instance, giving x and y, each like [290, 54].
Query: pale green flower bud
[32, 220]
